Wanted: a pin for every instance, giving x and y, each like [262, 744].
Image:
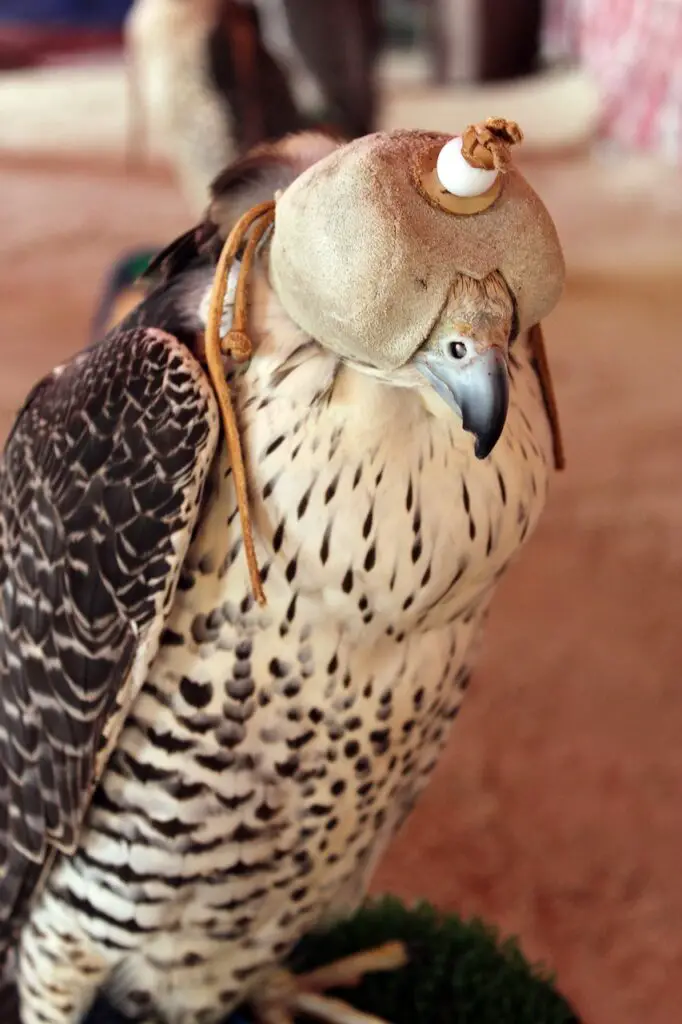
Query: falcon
[249, 540]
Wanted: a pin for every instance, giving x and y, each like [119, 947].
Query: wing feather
[100, 485]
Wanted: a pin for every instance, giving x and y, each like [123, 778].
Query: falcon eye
[458, 349]
[457, 176]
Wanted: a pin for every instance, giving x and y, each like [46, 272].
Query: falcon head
[418, 257]
[464, 358]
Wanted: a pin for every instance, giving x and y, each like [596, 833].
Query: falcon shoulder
[257, 176]
[101, 481]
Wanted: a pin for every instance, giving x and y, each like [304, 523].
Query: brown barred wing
[100, 486]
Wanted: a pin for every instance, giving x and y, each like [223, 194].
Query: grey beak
[474, 384]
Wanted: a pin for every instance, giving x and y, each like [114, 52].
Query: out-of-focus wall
[67, 13]
[633, 51]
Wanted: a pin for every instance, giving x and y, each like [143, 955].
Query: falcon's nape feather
[259, 759]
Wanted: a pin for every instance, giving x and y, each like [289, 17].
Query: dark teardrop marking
[278, 668]
[367, 525]
[269, 488]
[331, 489]
[303, 503]
[278, 537]
[197, 695]
[466, 498]
[274, 445]
[324, 547]
[291, 570]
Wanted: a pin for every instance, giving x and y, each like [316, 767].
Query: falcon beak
[474, 381]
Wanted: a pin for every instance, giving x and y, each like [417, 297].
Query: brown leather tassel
[537, 344]
[238, 345]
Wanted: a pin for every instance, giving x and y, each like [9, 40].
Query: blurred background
[557, 811]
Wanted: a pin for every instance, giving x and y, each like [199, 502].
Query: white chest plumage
[274, 750]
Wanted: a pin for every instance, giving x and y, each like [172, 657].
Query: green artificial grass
[458, 971]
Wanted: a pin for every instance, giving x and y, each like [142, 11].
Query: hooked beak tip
[477, 388]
